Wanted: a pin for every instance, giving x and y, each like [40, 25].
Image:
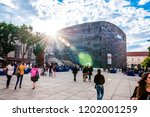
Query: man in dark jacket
[75, 71]
[90, 70]
[99, 80]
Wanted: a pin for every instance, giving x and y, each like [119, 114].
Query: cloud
[8, 3]
[17, 12]
[138, 47]
[143, 2]
[117, 4]
[42, 15]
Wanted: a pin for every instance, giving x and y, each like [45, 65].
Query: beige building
[17, 54]
[136, 57]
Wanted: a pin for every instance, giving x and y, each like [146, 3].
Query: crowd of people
[133, 71]
[141, 92]
[18, 69]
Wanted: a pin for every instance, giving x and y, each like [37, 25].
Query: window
[100, 38]
[17, 51]
[100, 53]
[100, 29]
[119, 37]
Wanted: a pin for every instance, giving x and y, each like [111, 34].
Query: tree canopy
[8, 35]
[146, 62]
[28, 38]
[12, 35]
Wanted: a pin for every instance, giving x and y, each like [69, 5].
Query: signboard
[109, 59]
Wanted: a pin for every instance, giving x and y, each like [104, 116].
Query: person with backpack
[99, 80]
[34, 76]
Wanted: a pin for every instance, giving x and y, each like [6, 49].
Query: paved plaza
[62, 87]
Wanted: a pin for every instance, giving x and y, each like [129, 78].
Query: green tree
[149, 51]
[27, 38]
[146, 62]
[39, 53]
[8, 35]
[39, 47]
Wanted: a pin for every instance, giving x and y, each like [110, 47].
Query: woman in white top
[10, 71]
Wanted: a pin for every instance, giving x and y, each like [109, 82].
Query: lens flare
[85, 59]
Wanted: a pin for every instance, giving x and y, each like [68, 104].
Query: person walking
[50, 70]
[142, 91]
[54, 70]
[43, 70]
[34, 75]
[90, 70]
[85, 73]
[99, 80]
[75, 71]
[21, 69]
[9, 72]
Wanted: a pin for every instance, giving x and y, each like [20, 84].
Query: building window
[119, 37]
[100, 38]
[17, 51]
[100, 53]
[29, 54]
[100, 29]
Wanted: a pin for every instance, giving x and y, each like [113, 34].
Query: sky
[131, 16]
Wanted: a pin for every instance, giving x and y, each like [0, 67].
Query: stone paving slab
[62, 87]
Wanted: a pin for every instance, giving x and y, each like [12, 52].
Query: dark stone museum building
[99, 44]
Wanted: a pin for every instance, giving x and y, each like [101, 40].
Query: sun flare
[49, 27]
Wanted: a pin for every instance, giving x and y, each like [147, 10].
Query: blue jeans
[19, 78]
[100, 91]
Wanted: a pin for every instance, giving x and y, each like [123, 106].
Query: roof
[76, 29]
[137, 53]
